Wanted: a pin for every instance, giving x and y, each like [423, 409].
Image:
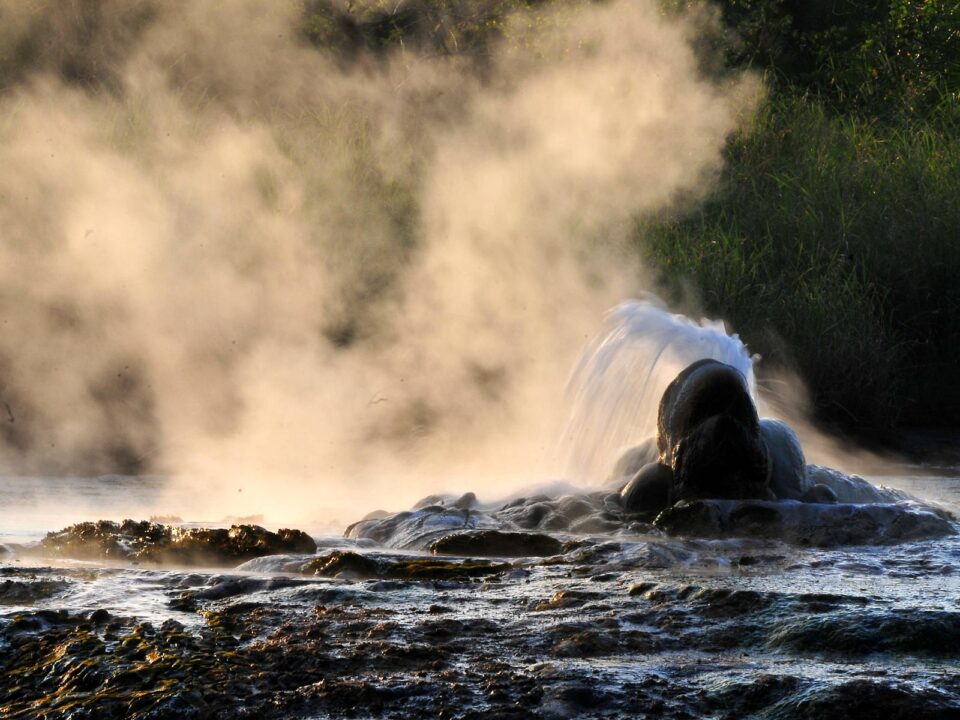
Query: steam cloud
[235, 258]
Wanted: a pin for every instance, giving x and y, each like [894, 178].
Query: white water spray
[615, 388]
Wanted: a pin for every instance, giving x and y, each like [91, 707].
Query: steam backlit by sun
[246, 262]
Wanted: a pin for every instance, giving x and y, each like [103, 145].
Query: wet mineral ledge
[518, 624]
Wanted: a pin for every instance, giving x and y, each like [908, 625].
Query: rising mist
[326, 279]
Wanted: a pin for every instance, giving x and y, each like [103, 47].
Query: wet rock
[819, 493]
[497, 543]
[749, 698]
[223, 588]
[869, 698]
[149, 542]
[613, 502]
[200, 546]
[641, 588]
[826, 602]
[99, 616]
[432, 500]
[708, 432]
[427, 527]
[667, 647]
[575, 507]
[567, 599]
[466, 501]
[787, 467]
[853, 488]
[648, 491]
[720, 458]
[604, 577]
[585, 644]
[820, 525]
[698, 519]
[354, 566]
[554, 521]
[276, 563]
[724, 602]
[27, 592]
[349, 565]
[934, 633]
[418, 528]
[529, 516]
[93, 540]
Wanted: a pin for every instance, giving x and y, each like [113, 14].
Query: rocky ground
[449, 610]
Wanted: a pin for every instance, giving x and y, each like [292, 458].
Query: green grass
[833, 247]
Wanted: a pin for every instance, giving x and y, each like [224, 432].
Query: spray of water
[616, 387]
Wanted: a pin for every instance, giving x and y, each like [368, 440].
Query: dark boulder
[29, 591]
[702, 390]
[648, 491]
[720, 458]
[788, 467]
[708, 432]
[199, 546]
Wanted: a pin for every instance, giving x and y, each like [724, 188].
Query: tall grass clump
[833, 247]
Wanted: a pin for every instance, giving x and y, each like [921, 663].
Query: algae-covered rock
[98, 540]
[497, 543]
[198, 546]
[145, 541]
[343, 563]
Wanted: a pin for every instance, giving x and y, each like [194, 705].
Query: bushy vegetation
[833, 242]
[885, 58]
[833, 247]
[443, 27]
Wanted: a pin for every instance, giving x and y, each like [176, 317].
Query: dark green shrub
[832, 247]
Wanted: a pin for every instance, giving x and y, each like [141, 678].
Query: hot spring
[553, 601]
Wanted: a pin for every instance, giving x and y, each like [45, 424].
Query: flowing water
[554, 604]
